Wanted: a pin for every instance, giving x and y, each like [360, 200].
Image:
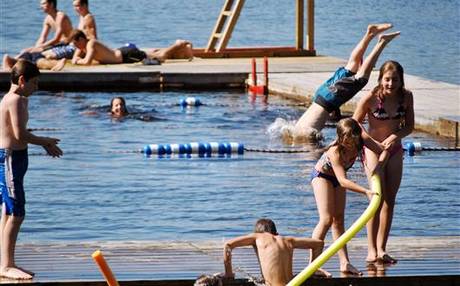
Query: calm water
[94, 194]
[429, 45]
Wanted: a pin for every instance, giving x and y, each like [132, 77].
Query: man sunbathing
[95, 52]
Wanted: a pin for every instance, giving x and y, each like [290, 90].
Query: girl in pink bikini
[390, 112]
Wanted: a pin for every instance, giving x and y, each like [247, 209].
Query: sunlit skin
[390, 82]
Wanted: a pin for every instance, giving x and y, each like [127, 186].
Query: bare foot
[322, 273]
[25, 270]
[374, 29]
[350, 269]
[386, 38]
[371, 258]
[59, 65]
[15, 273]
[387, 259]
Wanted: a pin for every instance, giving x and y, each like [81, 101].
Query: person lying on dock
[95, 52]
[345, 83]
[274, 252]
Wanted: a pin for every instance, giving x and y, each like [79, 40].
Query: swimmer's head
[265, 225]
[118, 107]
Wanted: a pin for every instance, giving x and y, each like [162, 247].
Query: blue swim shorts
[32, 57]
[338, 89]
[63, 51]
[13, 167]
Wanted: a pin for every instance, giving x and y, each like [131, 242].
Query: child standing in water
[345, 83]
[329, 181]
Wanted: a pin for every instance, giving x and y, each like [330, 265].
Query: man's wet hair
[84, 3]
[76, 35]
[265, 225]
[24, 68]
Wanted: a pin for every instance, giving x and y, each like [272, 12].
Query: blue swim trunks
[63, 51]
[338, 89]
[13, 167]
[32, 57]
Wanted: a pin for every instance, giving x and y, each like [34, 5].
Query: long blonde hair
[390, 66]
[346, 128]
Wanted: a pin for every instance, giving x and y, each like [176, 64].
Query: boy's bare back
[275, 255]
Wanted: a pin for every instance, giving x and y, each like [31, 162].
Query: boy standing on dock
[343, 85]
[14, 138]
[274, 252]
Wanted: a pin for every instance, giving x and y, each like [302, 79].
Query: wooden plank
[232, 20]
[311, 25]
[220, 23]
[299, 24]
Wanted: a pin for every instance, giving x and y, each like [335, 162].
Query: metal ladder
[224, 26]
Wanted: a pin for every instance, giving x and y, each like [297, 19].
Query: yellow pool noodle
[105, 269]
[345, 237]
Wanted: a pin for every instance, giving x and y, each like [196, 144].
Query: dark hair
[208, 280]
[265, 225]
[24, 68]
[390, 66]
[84, 3]
[123, 101]
[54, 2]
[76, 35]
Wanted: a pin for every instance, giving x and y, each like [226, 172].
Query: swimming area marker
[105, 269]
[345, 237]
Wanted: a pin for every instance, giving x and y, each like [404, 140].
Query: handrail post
[311, 25]
[299, 24]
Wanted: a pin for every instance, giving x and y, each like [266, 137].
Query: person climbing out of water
[329, 181]
[345, 83]
[274, 252]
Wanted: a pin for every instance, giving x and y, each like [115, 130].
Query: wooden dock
[437, 104]
[422, 261]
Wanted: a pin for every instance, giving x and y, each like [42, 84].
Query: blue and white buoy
[190, 101]
[199, 148]
[412, 147]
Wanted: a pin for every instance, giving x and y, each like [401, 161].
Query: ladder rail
[231, 25]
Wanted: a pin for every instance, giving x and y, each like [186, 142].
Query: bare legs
[316, 116]
[10, 226]
[181, 49]
[45, 64]
[378, 228]
[331, 208]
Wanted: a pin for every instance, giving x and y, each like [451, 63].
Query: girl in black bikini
[390, 112]
[329, 183]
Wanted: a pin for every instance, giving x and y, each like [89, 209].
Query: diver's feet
[59, 65]
[374, 29]
[386, 38]
[347, 268]
[15, 273]
[386, 259]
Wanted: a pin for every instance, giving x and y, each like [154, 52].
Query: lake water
[429, 45]
[96, 194]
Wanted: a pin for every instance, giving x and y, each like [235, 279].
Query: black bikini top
[380, 113]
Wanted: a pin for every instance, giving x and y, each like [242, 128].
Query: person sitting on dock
[95, 51]
[343, 85]
[274, 252]
[58, 45]
[87, 23]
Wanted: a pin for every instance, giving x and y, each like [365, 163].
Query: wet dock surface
[426, 259]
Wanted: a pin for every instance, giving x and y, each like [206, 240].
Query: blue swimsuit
[13, 167]
[338, 89]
